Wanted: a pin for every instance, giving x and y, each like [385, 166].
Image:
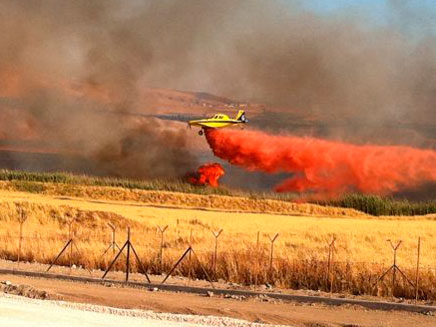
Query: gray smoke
[337, 67]
[94, 44]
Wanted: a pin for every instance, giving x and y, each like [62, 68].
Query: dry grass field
[300, 252]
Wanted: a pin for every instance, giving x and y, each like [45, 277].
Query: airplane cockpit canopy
[220, 116]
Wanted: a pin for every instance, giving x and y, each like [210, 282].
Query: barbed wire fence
[191, 256]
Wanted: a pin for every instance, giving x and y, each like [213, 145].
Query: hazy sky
[414, 17]
[378, 8]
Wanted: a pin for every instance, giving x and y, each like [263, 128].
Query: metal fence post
[394, 269]
[189, 255]
[272, 251]
[417, 270]
[22, 216]
[215, 256]
[113, 237]
[70, 243]
[70, 222]
[330, 261]
[162, 231]
[128, 255]
[394, 248]
[128, 244]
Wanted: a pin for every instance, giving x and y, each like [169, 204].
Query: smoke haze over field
[273, 52]
[99, 46]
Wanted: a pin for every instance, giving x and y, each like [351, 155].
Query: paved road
[22, 312]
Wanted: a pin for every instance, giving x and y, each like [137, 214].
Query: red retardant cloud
[325, 167]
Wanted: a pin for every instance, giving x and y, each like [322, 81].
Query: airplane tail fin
[241, 116]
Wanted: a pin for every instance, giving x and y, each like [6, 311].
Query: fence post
[113, 244]
[215, 256]
[330, 261]
[189, 250]
[189, 255]
[70, 221]
[162, 231]
[394, 269]
[272, 251]
[22, 216]
[113, 237]
[394, 248]
[70, 243]
[128, 244]
[417, 269]
[128, 255]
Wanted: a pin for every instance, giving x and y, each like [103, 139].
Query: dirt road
[254, 310]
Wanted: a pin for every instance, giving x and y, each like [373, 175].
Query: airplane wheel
[200, 132]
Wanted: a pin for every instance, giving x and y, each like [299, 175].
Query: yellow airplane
[219, 121]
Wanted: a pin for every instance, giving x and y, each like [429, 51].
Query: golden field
[300, 252]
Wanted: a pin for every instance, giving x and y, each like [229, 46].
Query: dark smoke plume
[49, 50]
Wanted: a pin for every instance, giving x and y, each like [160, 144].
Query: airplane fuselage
[216, 123]
[219, 121]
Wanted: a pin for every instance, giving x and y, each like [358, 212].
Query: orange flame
[207, 174]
